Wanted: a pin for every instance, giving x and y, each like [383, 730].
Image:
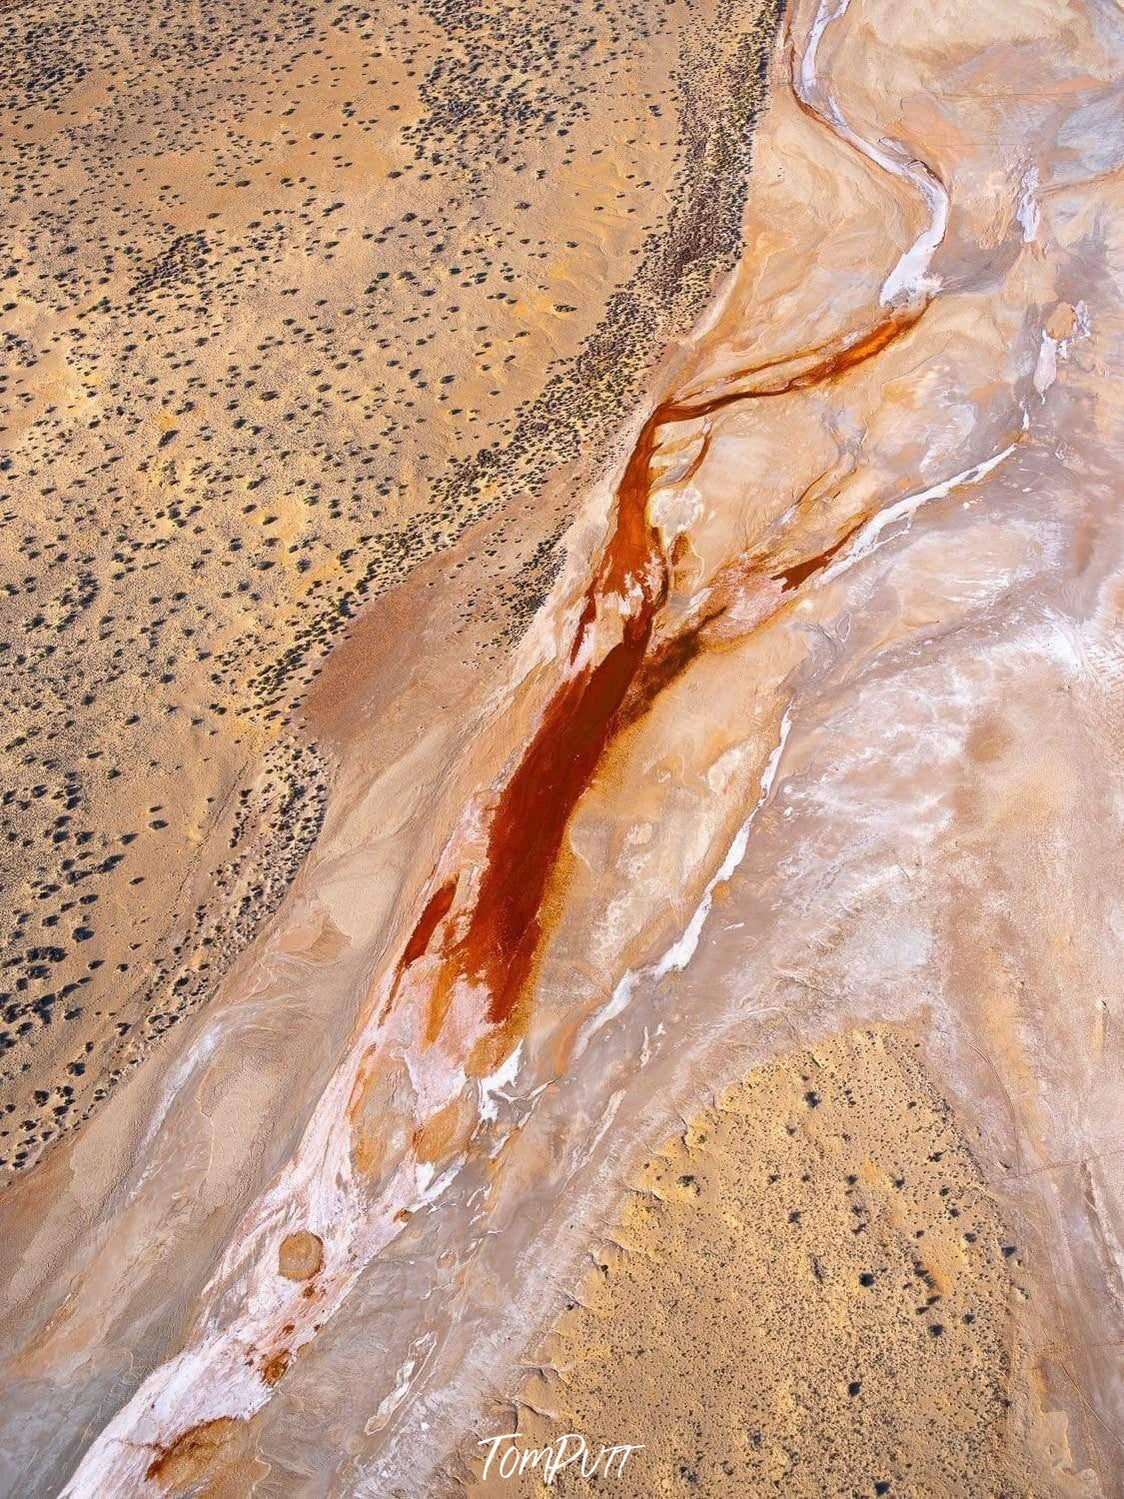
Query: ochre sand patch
[809, 1291]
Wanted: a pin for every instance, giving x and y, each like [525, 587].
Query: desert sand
[695, 1017]
[825, 1205]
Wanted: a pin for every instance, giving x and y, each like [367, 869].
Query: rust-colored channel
[498, 947]
[499, 942]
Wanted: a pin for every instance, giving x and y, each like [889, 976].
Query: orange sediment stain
[444, 1133]
[661, 668]
[300, 1255]
[274, 1368]
[792, 577]
[502, 935]
[502, 938]
[191, 1454]
[588, 615]
[437, 908]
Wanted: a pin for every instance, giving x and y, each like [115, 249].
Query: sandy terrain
[819, 1254]
[787, 813]
[292, 296]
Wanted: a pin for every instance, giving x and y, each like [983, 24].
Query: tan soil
[808, 1292]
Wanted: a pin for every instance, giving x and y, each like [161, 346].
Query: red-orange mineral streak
[437, 908]
[498, 945]
[502, 938]
[792, 577]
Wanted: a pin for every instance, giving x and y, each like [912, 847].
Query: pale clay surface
[904, 767]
